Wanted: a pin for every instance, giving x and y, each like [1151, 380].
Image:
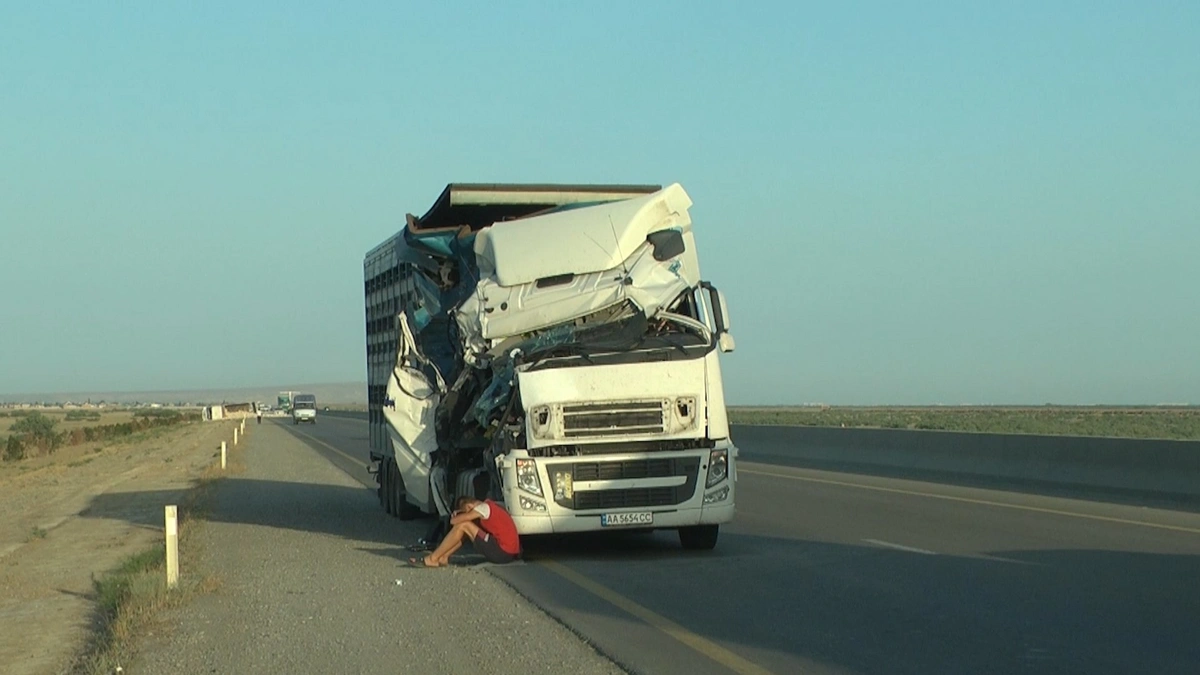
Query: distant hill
[331, 393]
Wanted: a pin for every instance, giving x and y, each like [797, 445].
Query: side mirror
[725, 342]
[720, 310]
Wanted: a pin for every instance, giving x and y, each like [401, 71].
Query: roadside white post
[222, 454]
[235, 435]
[172, 547]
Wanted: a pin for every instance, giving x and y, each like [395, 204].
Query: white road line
[967, 500]
[899, 547]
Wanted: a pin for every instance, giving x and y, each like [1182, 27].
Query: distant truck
[304, 408]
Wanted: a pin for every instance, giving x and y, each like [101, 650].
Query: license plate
[619, 519]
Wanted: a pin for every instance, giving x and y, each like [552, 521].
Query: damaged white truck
[552, 347]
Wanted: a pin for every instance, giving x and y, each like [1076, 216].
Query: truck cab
[304, 409]
[554, 348]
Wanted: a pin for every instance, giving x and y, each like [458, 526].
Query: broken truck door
[414, 392]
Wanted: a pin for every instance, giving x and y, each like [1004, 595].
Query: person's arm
[465, 516]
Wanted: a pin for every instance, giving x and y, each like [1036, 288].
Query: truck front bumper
[590, 522]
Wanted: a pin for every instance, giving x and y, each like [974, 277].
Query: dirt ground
[74, 515]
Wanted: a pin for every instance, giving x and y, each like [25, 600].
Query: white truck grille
[592, 420]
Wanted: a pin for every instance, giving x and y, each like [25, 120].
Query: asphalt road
[826, 572]
[306, 576]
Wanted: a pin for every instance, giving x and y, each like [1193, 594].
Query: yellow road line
[983, 502]
[708, 648]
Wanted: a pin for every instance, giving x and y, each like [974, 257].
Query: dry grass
[60, 416]
[133, 597]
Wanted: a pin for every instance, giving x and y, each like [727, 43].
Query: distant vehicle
[304, 408]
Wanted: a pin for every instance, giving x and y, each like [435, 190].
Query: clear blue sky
[946, 202]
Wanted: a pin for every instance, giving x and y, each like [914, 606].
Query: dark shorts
[487, 545]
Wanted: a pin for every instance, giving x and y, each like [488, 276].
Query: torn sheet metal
[414, 392]
[577, 240]
[495, 311]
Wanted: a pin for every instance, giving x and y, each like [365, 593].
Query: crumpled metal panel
[577, 240]
[494, 312]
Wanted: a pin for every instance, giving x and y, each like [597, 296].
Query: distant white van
[304, 408]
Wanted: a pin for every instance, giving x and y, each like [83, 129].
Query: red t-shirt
[496, 522]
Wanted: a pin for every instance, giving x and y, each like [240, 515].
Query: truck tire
[391, 492]
[404, 510]
[385, 486]
[397, 489]
[379, 491]
[699, 537]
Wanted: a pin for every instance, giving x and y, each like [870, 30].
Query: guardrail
[1160, 469]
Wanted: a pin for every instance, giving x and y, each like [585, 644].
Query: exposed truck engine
[552, 347]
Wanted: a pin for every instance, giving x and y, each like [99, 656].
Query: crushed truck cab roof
[577, 240]
[478, 205]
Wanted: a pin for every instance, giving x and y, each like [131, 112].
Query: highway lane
[828, 572]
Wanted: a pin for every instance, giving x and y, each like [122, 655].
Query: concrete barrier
[1162, 468]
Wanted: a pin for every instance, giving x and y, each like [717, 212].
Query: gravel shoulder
[312, 580]
[75, 515]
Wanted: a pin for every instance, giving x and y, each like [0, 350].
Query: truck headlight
[718, 467]
[714, 497]
[532, 504]
[527, 477]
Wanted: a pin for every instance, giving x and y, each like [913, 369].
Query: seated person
[486, 525]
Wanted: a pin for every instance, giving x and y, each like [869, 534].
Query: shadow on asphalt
[348, 512]
[858, 608]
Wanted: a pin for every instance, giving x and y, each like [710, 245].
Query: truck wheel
[385, 486]
[397, 487]
[380, 492]
[698, 537]
[401, 508]
[408, 511]
[404, 510]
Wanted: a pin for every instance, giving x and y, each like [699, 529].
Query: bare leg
[445, 559]
[454, 540]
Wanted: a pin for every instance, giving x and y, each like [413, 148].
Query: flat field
[1180, 423]
[76, 421]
